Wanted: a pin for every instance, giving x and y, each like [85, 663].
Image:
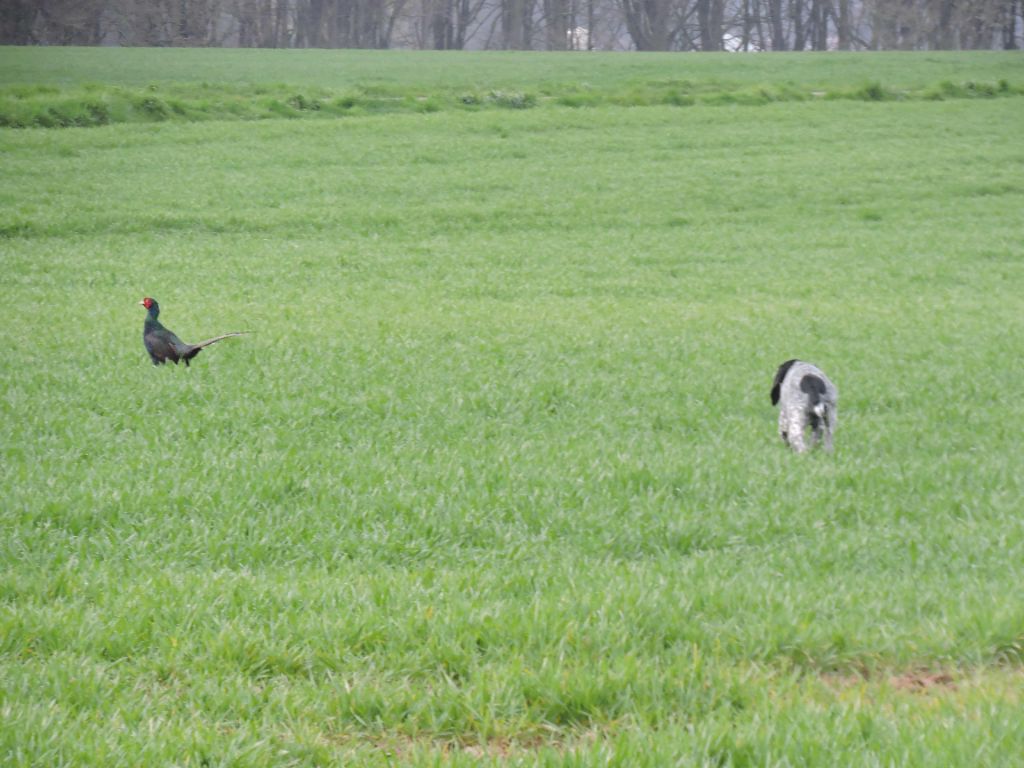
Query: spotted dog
[805, 396]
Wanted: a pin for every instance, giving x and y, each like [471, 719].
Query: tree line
[643, 25]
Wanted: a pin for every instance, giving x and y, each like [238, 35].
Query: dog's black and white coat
[805, 396]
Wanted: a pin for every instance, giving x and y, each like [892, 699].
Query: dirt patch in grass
[921, 681]
[400, 746]
[915, 680]
[924, 679]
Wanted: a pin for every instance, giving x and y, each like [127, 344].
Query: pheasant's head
[152, 306]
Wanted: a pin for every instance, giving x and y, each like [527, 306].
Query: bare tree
[517, 24]
[1011, 12]
[646, 25]
[776, 18]
[450, 21]
[709, 19]
[843, 26]
[267, 23]
[557, 15]
[71, 22]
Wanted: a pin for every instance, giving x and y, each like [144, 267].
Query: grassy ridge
[156, 88]
[496, 478]
[50, 107]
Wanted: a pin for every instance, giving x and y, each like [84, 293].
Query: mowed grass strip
[496, 479]
[405, 71]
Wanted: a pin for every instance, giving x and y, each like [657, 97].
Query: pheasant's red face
[146, 302]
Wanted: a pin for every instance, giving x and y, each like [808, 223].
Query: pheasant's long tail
[215, 339]
[195, 349]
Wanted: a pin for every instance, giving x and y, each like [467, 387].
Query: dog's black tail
[780, 375]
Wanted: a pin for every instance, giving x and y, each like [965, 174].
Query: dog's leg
[783, 425]
[827, 430]
[795, 424]
[815, 430]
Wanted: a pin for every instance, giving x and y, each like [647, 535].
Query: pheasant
[163, 345]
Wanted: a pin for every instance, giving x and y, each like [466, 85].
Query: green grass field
[496, 480]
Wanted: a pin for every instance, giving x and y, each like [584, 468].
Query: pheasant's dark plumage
[163, 345]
